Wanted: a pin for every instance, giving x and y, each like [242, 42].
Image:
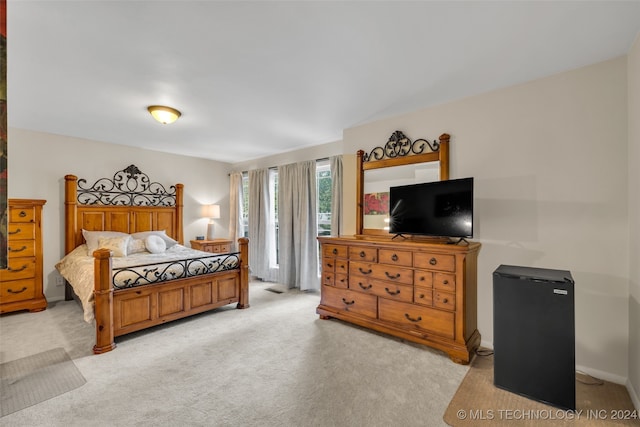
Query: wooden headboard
[129, 202]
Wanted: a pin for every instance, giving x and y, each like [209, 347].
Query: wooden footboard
[122, 311]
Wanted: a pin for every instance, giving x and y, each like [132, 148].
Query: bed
[124, 236]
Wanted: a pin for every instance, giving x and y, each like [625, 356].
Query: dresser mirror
[400, 162]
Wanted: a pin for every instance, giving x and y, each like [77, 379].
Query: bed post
[103, 300]
[444, 156]
[179, 207]
[70, 222]
[243, 243]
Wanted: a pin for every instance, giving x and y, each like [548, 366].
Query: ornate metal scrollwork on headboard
[129, 187]
[399, 145]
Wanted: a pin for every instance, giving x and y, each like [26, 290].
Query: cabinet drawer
[445, 300]
[19, 268]
[221, 249]
[423, 278]
[381, 288]
[382, 272]
[21, 248]
[346, 300]
[444, 281]
[22, 214]
[393, 257]
[21, 231]
[335, 279]
[423, 296]
[417, 317]
[363, 254]
[339, 251]
[17, 290]
[438, 262]
[328, 264]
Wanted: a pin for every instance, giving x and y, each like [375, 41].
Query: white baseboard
[634, 395]
[607, 376]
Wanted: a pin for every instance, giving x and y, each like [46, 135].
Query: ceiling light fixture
[163, 114]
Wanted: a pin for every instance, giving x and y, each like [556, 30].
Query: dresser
[21, 282]
[219, 246]
[420, 291]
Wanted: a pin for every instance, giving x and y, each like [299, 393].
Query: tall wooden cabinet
[416, 290]
[21, 282]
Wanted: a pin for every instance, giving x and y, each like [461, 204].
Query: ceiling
[254, 79]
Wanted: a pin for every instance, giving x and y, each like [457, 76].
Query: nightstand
[220, 246]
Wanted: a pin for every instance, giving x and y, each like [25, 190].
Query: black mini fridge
[534, 334]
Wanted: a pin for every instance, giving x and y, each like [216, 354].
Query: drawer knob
[411, 319]
[363, 287]
[363, 271]
[16, 250]
[362, 254]
[11, 291]
[329, 265]
[421, 296]
[445, 282]
[396, 292]
[348, 302]
[394, 257]
[17, 270]
[335, 251]
[15, 232]
[445, 300]
[22, 214]
[433, 261]
[392, 276]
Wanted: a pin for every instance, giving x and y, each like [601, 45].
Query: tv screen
[439, 209]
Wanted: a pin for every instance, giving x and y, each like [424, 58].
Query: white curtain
[335, 163]
[262, 242]
[236, 228]
[298, 225]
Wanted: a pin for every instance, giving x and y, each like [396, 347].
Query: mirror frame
[398, 151]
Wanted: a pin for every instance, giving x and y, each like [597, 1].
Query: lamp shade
[164, 114]
[212, 211]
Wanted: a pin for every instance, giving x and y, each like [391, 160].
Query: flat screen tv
[438, 209]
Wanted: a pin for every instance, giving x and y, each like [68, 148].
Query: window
[323, 202]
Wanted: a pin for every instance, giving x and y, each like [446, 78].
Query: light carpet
[273, 364]
[33, 379]
[479, 403]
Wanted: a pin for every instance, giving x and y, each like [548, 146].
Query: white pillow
[162, 234]
[91, 237]
[155, 244]
[136, 246]
[117, 245]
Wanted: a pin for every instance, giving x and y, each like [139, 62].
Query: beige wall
[39, 162]
[633, 73]
[549, 159]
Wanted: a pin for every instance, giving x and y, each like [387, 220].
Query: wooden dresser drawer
[440, 262]
[413, 316]
[363, 254]
[19, 268]
[22, 214]
[17, 290]
[382, 288]
[21, 231]
[423, 296]
[444, 281]
[393, 257]
[445, 300]
[21, 248]
[423, 278]
[339, 251]
[382, 272]
[328, 264]
[346, 300]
